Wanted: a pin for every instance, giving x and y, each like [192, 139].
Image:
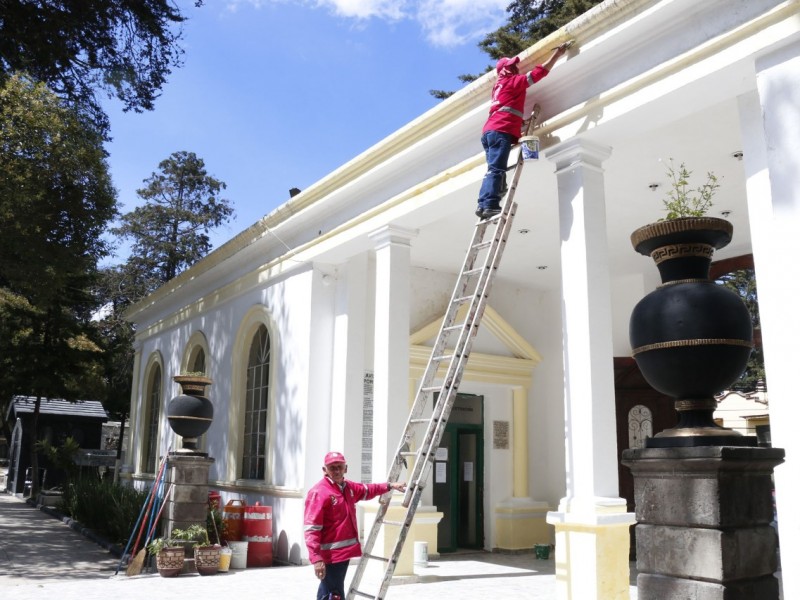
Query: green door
[458, 478]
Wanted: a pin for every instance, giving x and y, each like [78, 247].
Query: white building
[324, 307]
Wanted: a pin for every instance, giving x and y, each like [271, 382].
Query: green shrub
[108, 508]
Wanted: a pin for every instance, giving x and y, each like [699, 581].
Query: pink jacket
[508, 101]
[330, 526]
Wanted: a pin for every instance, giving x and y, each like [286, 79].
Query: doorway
[458, 477]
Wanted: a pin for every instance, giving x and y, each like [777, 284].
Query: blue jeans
[333, 580]
[498, 147]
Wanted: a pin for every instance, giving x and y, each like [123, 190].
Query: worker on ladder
[502, 128]
[331, 529]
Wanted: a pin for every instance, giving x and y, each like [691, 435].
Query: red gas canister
[232, 520]
[257, 532]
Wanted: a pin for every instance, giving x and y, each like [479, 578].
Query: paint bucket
[225, 559]
[232, 520]
[542, 551]
[257, 531]
[530, 147]
[238, 555]
[420, 554]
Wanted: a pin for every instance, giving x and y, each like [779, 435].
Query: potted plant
[169, 557]
[206, 555]
[690, 337]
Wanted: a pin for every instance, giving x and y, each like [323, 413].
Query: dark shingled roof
[89, 409]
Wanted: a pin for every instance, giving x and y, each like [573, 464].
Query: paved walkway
[42, 557]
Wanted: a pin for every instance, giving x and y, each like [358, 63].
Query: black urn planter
[691, 338]
[190, 414]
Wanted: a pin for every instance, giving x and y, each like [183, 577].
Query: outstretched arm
[558, 52]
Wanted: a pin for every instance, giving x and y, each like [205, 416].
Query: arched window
[254, 455]
[153, 415]
[198, 365]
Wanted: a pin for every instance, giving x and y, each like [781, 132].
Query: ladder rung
[482, 245]
[431, 388]
[395, 523]
[409, 453]
[373, 557]
[473, 271]
[453, 327]
[418, 421]
[443, 357]
[357, 593]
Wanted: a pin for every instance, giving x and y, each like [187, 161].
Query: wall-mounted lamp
[738, 155]
[653, 187]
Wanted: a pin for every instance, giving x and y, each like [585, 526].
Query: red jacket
[330, 525]
[508, 101]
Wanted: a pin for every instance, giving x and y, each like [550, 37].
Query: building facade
[315, 322]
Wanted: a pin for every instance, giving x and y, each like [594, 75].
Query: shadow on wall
[286, 553]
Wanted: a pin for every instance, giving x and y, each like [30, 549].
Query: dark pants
[498, 147]
[333, 581]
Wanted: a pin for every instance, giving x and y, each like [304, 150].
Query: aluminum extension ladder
[471, 291]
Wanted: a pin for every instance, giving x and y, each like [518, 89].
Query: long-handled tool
[138, 525]
[135, 566]
[133, 533]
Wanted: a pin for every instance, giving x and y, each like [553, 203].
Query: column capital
[392, 234]
[578, 153]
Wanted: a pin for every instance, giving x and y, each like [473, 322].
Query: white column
[349, 351]
[586, 311]
[770, 121]
[592, 525]
[392, 318]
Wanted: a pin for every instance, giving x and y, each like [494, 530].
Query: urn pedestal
[704, 522]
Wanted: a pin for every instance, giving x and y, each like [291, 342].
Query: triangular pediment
[515, 368]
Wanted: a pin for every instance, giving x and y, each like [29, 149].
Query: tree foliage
[743, 283]
[170, 230]
[56, 200]
[126, 48]
[528, 22]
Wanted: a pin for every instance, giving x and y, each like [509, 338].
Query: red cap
[506, 62]
[334, 457]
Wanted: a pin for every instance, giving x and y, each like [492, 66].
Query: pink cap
[506, 62]
[334, 457]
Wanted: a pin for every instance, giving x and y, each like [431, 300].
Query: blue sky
[276, 94]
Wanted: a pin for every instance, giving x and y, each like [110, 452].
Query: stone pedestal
[704, 518]
[188, 502]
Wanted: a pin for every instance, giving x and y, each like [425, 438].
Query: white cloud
[393, 10]
[444, 22]
[456, 22]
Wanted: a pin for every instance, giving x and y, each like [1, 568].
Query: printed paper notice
[441, 454]
[441, 472]
[467, 471]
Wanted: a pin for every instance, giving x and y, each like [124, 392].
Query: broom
[135, 566]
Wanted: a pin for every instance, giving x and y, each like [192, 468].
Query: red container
[257, 532]
[232, 520]
[215, 500]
